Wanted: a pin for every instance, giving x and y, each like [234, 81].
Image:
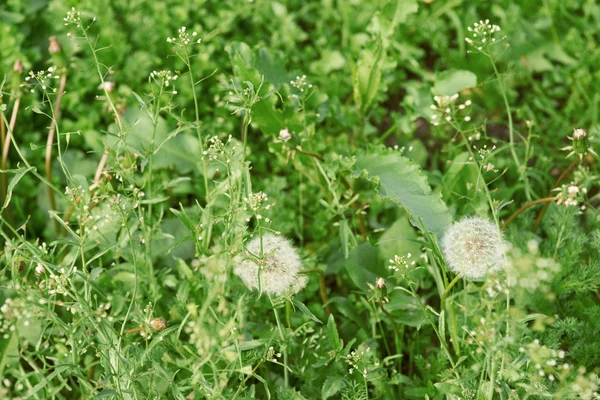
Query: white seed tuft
[279, 266]
[473, 247]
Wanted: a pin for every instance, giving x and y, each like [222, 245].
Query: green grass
[147, 175]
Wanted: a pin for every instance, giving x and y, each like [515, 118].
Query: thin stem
[525, 207]
[281, 335]
[511, 131]
[566, 172]
[322, 286]
[49, 144]
[6, 147]
[447, 291]
[201, 143]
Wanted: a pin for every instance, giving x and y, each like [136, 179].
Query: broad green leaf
[272, 67]
[172, 147]
[453, 81]
[332, 386]
[399, 239]
[242, 61]
[400, 180]
[363, 265]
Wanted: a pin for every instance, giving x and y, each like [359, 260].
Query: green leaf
[399, 239]
[453, 81]
[366, 76]
[63, 224]
[306, 311]
[333, 335]
[172, 147]
[344, 232]
[242, 61]
[363, 265]
[332, 385]
[272, 68]
[19, 173]
[400, 180]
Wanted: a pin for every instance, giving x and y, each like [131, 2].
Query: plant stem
[6, 147]
[281, 335]
[525, 207]
[538, 220]
[50, 143]
[322, 286]
[206, 241]
[511, 129]
[448, 288]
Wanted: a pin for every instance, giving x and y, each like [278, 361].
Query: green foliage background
[374, 67]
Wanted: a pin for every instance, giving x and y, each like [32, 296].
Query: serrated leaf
[453, 81]
[333, 335]
[332, 385]
[403, 182]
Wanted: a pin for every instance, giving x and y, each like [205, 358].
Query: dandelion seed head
[473, 247]
[278, 269]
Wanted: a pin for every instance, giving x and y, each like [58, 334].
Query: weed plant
[299, 200]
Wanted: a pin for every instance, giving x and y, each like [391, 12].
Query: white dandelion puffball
[280, 266]
[473, 247]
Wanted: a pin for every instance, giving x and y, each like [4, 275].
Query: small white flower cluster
[73, 17]
[215, 149]
[482, 336]
[58, 283]
[473, 247]
[484, 153]
[243, 99]
[164, 78]
[482, 33]
[550, 365]
[300, 83]
[400, 263]
[570, 195]
[446, 109]
[184, 38]
[275, 271]
[42, 79]
[272, 355]
[102, 312]
[254, 202]
[362, 360]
